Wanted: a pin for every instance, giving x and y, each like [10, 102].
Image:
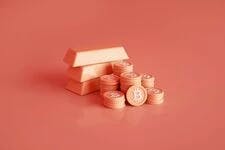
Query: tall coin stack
[122, 67]
[148, 80]
[129, 79]
[109, 83]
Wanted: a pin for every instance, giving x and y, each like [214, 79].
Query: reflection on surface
[93, 113]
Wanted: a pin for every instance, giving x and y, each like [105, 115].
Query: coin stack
[122, 67]
[136, 95]
[114, 99]
[155, 96]
[147, 80]
[109, 83]
[129, 79]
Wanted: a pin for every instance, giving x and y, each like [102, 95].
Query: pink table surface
[182, 43]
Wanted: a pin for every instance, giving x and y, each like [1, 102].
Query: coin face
[136, 95]
[113, 94]
[110, 78]
[114, 99]
[146, 76]
[123, 64]
[154, 90]
[130, 75]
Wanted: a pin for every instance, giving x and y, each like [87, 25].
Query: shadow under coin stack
[87, 66]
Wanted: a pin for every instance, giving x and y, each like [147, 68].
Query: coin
[155, 96]
[114, 99]
[136, 95]
[147, 80]
[129, 79]
[109, 83]
[121, 67]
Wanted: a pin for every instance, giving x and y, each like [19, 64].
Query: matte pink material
[180, 42]
[88, 72]
[82, 57]
[83, 88]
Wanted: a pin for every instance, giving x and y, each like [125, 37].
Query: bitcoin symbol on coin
[114, 94]
[153, 90]
[132, 75]
[156, 91]
[137, 95]
[146, 76]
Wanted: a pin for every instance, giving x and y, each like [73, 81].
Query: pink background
[181, 42]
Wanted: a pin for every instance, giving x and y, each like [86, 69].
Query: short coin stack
[122, 67]
[114, 99]
[155, 96]
[129, 79]
[109, 83]
[147, 80]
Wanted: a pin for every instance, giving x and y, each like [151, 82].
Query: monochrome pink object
[88, 72]
[76, 58]
[180, 42]
[83, 88]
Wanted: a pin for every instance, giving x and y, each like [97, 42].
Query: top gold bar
[76, 58]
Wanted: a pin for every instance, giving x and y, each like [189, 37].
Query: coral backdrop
[181, 42]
